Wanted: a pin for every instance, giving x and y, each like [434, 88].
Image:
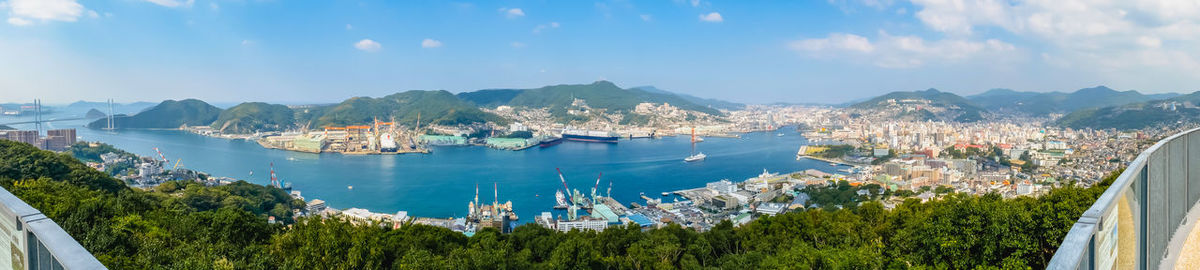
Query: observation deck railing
[35, 242]
[1143, 219]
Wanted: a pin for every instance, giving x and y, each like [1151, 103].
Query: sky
[820, 51]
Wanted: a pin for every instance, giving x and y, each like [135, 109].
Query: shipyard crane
[178, 163]
[609, 188]
[160, 155]
[596, 188]
[274, 180]
[570, 196]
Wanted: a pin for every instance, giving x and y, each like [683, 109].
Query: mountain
[251, 117]
[94, 113]
[1137, 115]
[168, 114]
[438, 107]
[490, 97]
[712, 103]
[1038, 104]
[126, 108]
[920, 105]
[3, 127]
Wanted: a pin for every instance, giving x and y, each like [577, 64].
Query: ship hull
[595, 139]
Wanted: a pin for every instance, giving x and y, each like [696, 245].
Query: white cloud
[647, 17]
[538, 29]
[1082, 33]
[349, 27]
[899, 51]
[18, 21]
[173, 3]
[516, 44]
[247, 42]
[368, 45]
[712, 17]
[430, 43]
[24, 12]
[92, 14]
[835, 41]
[695, 3]
[214, 6]
[512, 13]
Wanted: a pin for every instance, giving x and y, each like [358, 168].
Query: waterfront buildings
[55, 140]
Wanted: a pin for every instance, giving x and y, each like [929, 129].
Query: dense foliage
[438, 107]
[168, 114]
[251, 117]
[187, 226]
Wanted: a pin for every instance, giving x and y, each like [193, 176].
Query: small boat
[779, 135]
[350, 187]
[696, 157]
[833, 164]
[666, 194]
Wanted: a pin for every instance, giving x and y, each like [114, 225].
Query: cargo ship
[589, 136]
[386, 143]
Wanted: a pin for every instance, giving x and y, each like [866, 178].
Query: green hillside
[707, 102]
[168, 114]
[600, 95]
[958, 108]
[251, 117]
[438, 107]
[1136, 115]
[490, 97]
[1038, 104]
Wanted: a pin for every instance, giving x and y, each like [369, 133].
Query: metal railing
[1133, 223]
[35, 242]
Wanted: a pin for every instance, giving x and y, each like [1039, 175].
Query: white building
[582, 224]
[724, 186]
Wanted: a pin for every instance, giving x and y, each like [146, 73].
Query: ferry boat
[696, 157]
[581, 135]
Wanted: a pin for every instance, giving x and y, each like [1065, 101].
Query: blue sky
[746, 51]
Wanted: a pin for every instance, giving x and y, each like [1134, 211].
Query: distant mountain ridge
[1138, 115]
[1039, 104]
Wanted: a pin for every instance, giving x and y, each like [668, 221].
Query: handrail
[35, 241]
[1132, 224]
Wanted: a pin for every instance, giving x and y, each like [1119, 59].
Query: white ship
[386, 143]
[560, 199]
[696, 157]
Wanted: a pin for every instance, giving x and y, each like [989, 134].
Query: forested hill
[957, 108]
[182, 225]
[437, 107]
[1140, 115]
[168, 114]
[600, 95]
[250, 117]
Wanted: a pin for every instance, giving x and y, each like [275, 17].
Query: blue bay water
[440, 184]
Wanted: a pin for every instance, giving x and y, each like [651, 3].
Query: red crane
[274, 181]
[570, 196]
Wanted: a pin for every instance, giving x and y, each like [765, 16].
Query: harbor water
[441, 183]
